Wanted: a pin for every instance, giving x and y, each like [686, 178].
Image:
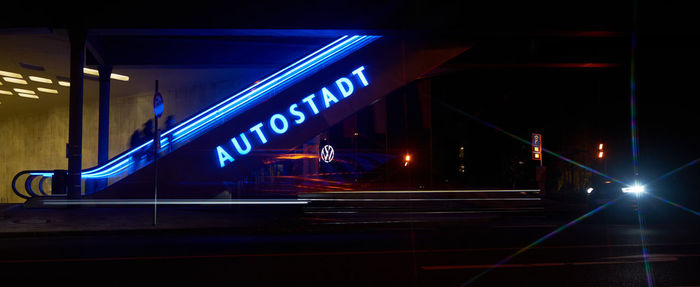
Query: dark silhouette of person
[147, 134]
[169, 122]
[148, 131]
[135, 139]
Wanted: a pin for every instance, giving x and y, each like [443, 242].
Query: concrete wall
[37, 140]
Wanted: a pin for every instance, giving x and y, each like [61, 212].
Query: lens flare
[633, 102]
[538, 241]
[675, 204]
[665, 175]
[645, 253]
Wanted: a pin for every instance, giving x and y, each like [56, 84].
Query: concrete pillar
[103, 127]
[75, 110]
[103, 130]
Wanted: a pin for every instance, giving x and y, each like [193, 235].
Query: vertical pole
[103, 128]
[633, 95]
[156, 145]
[75, 112]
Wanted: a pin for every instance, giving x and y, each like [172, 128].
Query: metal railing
[41, 175]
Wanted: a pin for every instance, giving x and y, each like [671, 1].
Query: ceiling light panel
[92, 72]
[24, 91]
[28, 96]
[14, 80]
[10, 74]
[119, 77]
[48, 91]
[40, 80]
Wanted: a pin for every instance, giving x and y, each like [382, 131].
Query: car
[624, 210]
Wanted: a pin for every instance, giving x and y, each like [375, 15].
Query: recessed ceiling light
[3, 92]
[64, 83]
[14, 80]
[24, 91]
[96, 73]
[10, 74]
[28, 96]
[45, 90]
[91, 71]
[119, 77]
[41, 80]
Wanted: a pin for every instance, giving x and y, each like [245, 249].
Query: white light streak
[173, 202]
[425, 199]
[434, 191]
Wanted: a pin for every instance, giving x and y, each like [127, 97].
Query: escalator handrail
[125, 159]
[29, 179]
[120, 161]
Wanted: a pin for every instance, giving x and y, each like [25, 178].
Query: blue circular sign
[158, 104]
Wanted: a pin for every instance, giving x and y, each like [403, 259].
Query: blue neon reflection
[240, 101]
[44, 174]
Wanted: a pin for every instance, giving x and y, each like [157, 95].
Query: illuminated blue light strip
[96, 172]
[115, 165]
[256, 93]
[45, 174]
[217, 112]
[255, 85]
[242, 103]
[99, 171]
[112, 169]
[181, 128]
[279, 80]
[316, 59]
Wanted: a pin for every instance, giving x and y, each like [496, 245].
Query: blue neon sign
[280, 123]
[238, 102]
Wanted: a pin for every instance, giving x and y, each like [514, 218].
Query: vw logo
[327, 154]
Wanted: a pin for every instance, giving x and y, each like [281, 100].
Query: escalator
[225, 141]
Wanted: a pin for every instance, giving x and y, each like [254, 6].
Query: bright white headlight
[636, 189]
